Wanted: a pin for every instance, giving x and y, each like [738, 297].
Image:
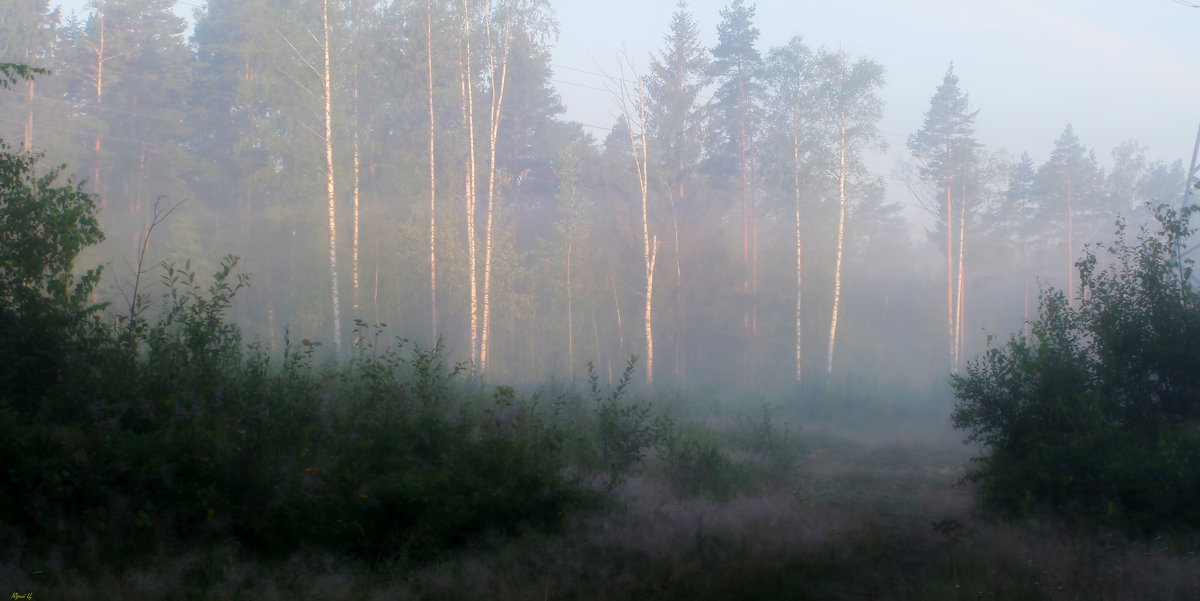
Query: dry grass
[856, 523]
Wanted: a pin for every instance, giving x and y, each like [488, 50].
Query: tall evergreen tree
[736, 113]
[678, 73]
[27, 37]
[1068, 183]
[946, 153]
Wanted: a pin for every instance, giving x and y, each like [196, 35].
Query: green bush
[1097, 413]
[695, 464]
[140, 431]
[624, 430]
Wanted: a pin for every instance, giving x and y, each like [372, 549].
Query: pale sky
[1114, 69]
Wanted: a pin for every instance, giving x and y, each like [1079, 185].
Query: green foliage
[11, 73]
[696, 464]
[45, 228]
[161, 426]
[624, 431]
[1096, 414]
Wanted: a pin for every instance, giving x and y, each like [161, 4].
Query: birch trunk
[333, 271]
[432, 173]
[570, 322]
[649, 244]
[841, 241]
[466, 87]
[100, 59]
[497, 89]
[799, 254]
[354, 191]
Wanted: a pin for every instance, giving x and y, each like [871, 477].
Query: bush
[157, 428]
[1097, 413]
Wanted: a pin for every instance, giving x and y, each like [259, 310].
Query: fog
[743, 210]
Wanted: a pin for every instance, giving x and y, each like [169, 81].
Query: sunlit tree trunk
[98, 48]
[570, 321]
[959, 329]
[355, 189]
[799, 253]
[950, 278]
[746, 360]
[1070, 245]
[638, 146]
[681, 324]
[497, 90]
[433, 306]
[841, 240]
[333, 271]
[28, 144]
[466, 85]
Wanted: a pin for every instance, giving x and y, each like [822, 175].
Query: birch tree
[677, 75]
[497, 54]
[852, 110]
[322, 73]
[433, 318]
[633, 109]
[793, 91]
[467, 89]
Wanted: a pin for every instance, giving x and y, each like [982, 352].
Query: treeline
[406, 163]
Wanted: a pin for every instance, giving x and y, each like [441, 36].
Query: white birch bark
[649, 243]
[432, 173]
[333, 271]
[841, 241]
[497, 91]
[799, 255]
[466, 87]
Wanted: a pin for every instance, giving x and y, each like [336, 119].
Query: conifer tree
[946, 152]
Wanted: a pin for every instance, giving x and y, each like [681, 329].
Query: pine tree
[946, 152]
[678, 73]
[1067, 183]
[735, 108]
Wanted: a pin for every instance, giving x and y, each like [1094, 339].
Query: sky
[1114, 69]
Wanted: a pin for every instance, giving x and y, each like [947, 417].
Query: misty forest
[326, 299]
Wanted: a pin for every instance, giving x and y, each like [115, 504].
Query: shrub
[1097, 413]
[624, 429]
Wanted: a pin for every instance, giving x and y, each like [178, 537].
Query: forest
[404, 164]
[449, 335]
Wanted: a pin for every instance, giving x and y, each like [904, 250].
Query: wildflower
[310, 470]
